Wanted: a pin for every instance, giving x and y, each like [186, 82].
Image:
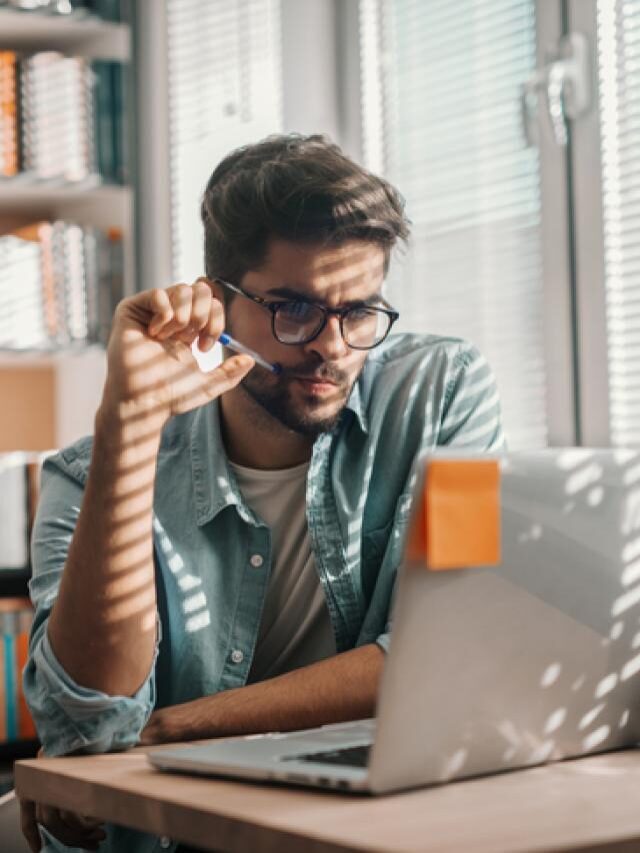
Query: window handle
[565, 81]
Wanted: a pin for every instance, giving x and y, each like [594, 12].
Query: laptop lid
[531, 659]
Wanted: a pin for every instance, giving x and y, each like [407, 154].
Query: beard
[274, 395]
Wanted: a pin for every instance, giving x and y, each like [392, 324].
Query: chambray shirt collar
[214, 483]
[355, 404]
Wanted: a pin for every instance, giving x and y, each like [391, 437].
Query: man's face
[317, 377]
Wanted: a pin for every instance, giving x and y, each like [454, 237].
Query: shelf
[23, 192]
[13, 358]
[84, 35]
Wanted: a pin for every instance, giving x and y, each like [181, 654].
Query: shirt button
[237, 656]
[165, 842]
[256, 561]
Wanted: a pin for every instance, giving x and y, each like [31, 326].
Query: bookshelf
[80, 34]
[62, 384]
[73, 373]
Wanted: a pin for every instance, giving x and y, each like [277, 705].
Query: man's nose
[329, 344]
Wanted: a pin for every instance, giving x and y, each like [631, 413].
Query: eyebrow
[295, 296]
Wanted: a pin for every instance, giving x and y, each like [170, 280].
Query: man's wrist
[130, 422]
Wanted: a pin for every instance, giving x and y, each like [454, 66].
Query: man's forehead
[345, 272]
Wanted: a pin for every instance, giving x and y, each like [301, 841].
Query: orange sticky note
[456, 523]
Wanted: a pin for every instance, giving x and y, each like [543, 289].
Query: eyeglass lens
[298, 322]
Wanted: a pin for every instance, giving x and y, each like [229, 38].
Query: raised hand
[151, 368]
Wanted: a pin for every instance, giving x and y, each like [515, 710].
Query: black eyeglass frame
[274, 307]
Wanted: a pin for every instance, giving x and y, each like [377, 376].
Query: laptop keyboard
[352, 756]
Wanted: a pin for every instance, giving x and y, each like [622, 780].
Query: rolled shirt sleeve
[67, 716]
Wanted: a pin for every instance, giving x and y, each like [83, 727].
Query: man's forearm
[344, 687]
[102, 626]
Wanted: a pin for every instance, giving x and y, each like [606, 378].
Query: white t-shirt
[295, 629]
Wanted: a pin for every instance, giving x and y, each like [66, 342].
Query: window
[441, 117]
[224, 91]
[618, 65]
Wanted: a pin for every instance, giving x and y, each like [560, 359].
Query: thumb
[228, 374]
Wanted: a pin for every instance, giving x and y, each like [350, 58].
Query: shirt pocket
[385, 544]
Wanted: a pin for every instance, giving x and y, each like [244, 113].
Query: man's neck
[253, 438]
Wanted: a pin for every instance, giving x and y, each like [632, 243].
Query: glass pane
[224, 91]
[619, 82]
[441, 116]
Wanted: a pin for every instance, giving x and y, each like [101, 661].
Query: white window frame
[591, 313]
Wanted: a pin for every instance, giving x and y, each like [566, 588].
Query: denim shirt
[415, 393]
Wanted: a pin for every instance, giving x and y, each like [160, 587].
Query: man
[220, 557]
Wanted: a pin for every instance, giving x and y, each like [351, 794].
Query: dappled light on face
[331, 274]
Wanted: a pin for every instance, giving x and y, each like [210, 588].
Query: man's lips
[316, 380]
[317, 385]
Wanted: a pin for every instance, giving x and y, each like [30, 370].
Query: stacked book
[8, 115]
[61, 118]
[59, 285]
[15, 622]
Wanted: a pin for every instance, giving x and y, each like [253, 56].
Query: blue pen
[227, 341]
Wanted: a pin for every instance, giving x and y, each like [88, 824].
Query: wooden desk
[591, 804]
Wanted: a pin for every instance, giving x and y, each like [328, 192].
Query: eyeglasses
[299, 322]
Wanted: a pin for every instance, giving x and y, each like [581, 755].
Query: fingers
[185, 312]
[29, 825]
[73, 830]
[228, 374]
[201, 389]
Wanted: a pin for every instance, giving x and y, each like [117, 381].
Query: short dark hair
[297, 188]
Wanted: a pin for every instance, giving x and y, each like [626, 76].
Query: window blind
[225, 90]
[440, 86]
[619, 82]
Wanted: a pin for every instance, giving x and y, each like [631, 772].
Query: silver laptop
[491, 668]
